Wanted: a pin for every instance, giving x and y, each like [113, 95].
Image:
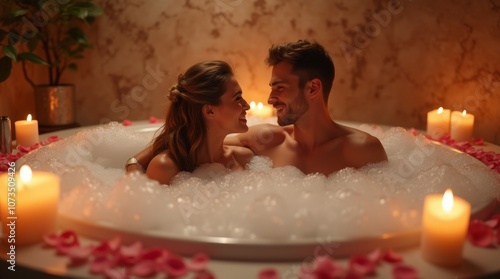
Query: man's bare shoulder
[361, 148]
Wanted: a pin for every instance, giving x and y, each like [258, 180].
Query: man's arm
[258, 138]
[143, 158]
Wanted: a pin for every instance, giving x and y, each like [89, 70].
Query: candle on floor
[260, 110]
[445, 220]
[28, 205]
[26, 132]
[438, 122]
[462, 126]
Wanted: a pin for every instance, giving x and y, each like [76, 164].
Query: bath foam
[280, 205]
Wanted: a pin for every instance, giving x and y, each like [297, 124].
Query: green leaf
[72, 66]
[10, 52]
[17, 13]
[92, 10]
[30, 56]
[5, 68]
[78, 12]
[77, 35]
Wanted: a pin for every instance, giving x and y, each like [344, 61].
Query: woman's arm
[141, 161]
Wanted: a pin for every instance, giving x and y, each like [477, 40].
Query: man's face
[286, 96]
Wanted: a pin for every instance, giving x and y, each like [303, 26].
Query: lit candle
[260, 110]
[26, 132]
[462, 125]
[28, 205]
[438, 122]
[445, 220]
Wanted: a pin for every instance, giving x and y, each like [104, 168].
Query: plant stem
[26, 75]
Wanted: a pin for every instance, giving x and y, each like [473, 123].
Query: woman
[206, 106]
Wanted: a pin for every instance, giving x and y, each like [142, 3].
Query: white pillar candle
[26, 132]
[445, 220]
[462, 126]
[28, 205]
[438, 122]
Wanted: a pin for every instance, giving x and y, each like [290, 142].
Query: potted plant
[51, 33]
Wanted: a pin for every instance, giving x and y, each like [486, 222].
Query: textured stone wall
[395, 59]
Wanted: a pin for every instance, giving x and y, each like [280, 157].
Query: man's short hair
[309, 60]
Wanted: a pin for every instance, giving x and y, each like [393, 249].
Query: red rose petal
[496, 217]
[401, 271]
[154, 254]
[493, 223]
[100, 265]
[268, 273]
[130, 254]
[126, 122]
[145, 268]
[79, 255]
[198, 262]
[175, 266]
[480, 234]
[69, 238]
[392, 257]
[51, 240]
[375, 256]
[362, 265]
[326, 267]
[153, 120]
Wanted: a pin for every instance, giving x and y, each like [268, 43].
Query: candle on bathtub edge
[260, 110]
[445, 220]
[462, 126]
[28, 205]
[26, 132]
[438, 122]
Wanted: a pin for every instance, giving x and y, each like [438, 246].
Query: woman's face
[231, 113]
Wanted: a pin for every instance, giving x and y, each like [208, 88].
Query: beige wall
[395, 60]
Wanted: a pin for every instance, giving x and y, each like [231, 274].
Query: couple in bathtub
[207, 105]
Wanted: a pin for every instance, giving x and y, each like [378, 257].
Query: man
[307, 138]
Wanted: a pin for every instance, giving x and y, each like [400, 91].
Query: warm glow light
[260, 105]
[25, 173]
[447, 200]
[252, 105]
[28, 118]
[464, 113]
[440, 110]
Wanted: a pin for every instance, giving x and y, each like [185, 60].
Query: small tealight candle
[26, 132]
[462, 126]
[438, 122]
[445, 220]
[260, 110]
[28, 205]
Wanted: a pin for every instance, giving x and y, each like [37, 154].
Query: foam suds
[260, 202]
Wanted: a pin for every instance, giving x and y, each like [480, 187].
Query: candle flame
[260, 105]
[447, 200]
[464, 112]
[25, 173]
[252, 105]
[440, 110]
[28, 118]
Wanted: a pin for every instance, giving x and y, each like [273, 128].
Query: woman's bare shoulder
[162, 168]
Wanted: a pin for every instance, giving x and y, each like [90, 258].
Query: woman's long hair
[185, 129]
